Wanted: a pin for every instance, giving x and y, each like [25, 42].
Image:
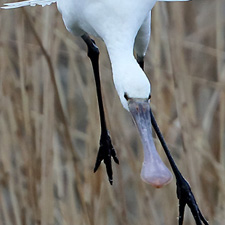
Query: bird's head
[135, 93]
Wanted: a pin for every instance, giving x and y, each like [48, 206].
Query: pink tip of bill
[157, 177]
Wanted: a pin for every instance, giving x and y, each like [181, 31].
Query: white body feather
[49, 2]
[28, 3]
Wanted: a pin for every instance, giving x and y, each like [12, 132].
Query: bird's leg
[106, 150]
[184, 193]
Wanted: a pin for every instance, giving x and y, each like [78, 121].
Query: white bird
[124, 26]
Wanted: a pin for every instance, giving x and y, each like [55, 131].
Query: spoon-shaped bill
[153, 170]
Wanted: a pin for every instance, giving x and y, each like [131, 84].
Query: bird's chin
[153, 170]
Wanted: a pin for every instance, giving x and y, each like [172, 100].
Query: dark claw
[181, 212]
[105, 152]
[186, 197]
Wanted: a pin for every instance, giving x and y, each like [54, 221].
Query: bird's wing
[28, 3]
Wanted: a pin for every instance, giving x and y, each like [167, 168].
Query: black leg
[106, 150]
[184, 193]
[181, 213]
[140, 60]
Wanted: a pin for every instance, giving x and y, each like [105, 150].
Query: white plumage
[124, 26]
[28, 3]
[49, 2]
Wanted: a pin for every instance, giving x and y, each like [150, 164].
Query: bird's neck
[128, 76]
[121, 57]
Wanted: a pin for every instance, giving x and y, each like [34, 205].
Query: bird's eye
[149, 97]
[126, 96]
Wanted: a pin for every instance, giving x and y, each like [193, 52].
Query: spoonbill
[124, 26]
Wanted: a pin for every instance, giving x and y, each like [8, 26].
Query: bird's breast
[104, 17]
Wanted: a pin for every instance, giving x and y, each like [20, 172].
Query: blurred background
[49, 121]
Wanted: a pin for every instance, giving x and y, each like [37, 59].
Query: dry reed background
[46, 163]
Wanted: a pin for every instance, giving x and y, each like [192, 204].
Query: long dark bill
[153, 170]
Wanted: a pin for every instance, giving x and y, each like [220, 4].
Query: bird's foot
[105, 152]
[186, 197]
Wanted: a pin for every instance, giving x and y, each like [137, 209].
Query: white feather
[114, 22]
[28, 3]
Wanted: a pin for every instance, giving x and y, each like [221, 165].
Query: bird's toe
[105, 153]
